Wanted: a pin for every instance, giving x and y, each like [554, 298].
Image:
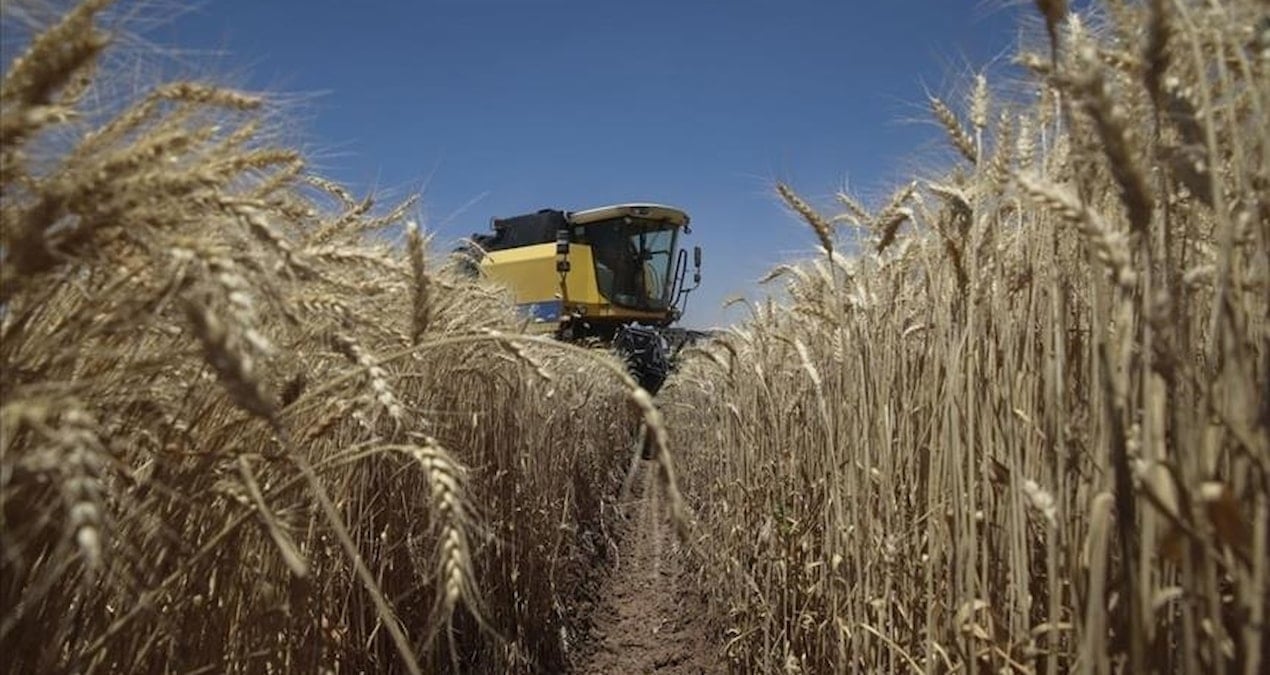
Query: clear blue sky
[504, 107]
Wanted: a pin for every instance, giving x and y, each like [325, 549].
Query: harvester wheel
[646, 354]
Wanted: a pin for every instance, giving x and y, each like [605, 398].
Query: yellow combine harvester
[614, 275]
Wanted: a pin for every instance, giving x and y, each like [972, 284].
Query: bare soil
[648, 618]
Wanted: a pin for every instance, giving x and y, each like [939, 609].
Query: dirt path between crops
[649, 619]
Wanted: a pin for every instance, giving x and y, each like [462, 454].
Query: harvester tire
[646, 354]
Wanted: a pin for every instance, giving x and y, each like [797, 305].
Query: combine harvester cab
[612, 276]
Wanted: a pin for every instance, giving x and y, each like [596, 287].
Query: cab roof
[651, 211]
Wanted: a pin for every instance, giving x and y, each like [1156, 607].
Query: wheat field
[1016, 419]
[1025, 426]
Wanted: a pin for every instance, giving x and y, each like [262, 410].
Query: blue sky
[504, 107]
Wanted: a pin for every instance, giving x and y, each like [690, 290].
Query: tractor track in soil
[649, 618]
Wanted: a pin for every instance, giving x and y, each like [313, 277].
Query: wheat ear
[375, 373]
[957, 135]
[421, 316]
[819, 224]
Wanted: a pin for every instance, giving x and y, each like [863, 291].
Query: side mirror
[696, 256]
[562, 251]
